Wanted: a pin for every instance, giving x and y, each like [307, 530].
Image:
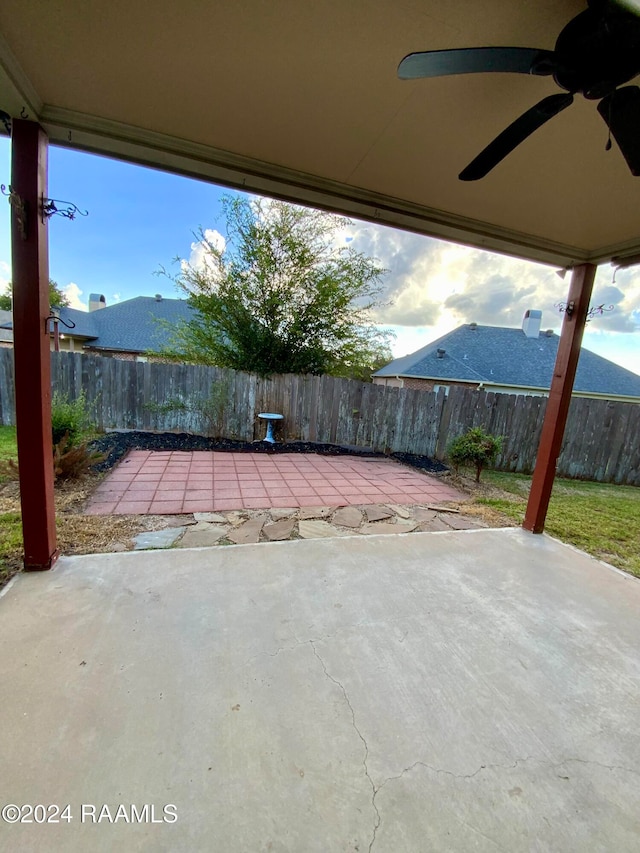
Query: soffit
[302, 100]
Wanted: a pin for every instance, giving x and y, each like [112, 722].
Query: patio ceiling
[303, 101]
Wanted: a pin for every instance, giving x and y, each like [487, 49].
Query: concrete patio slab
[427, 692]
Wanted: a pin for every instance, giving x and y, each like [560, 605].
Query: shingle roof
[129, 326]
[497, 356]
[6, 335]
[84, 326]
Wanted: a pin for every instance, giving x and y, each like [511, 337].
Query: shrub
[8, 470]
[476, 448]
[68, 418]
[73, 462]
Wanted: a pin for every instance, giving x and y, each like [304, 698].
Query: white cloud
[5, 276]
[116, 297]
[199, 258]
[432, 286]
[435, 286]
[73, 294]
[620, 347]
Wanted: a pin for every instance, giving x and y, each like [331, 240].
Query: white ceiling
[302, 100]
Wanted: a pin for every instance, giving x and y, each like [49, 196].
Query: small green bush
[68, 418]
[475, 448]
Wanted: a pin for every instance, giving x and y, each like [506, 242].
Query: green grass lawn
[8, 448]
[600, 518]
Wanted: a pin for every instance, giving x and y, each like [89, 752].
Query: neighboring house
[6, 335]
[127, 330]
[512, 361]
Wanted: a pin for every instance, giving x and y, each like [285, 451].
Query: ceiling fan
[596, 52]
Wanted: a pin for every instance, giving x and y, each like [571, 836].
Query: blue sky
[141, 219]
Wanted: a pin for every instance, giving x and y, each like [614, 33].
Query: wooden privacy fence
[602, 440]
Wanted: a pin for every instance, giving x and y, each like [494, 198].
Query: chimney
[531, 323]
[158, 297]
[96, 301]
[440, 353]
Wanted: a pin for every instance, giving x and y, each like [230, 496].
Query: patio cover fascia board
[173, 154]
[90, 133]
[179, 156]
[18, 92]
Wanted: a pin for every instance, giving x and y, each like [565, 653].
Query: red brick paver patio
[203, 481]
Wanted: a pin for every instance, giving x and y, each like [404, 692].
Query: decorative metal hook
[55, 316]
[19, 206]
[598, 310]
[566, 308]
[49, 207]
[569, 307]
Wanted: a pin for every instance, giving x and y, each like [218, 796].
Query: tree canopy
[57, 299]
[281, 295]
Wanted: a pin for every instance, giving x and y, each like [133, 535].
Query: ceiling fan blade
[476, 60]
[621, 111]
[632, 6]
[516, 133]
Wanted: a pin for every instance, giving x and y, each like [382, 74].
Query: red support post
[557, 410]
[30, 262]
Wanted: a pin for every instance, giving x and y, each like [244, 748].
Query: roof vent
[158, 297]
[473, 326]
[440, 353]
[549, 333]
[97, 301]
[531, 323]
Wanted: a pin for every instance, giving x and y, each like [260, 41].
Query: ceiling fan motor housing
[597, 52]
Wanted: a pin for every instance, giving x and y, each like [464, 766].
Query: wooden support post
[557, 409]
[30, 262]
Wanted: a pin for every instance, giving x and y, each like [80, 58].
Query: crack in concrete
[374, 790]
[377, 788]
[296, 645]
[597, 764]
[450, 773]
[354, 626]
[455, 776]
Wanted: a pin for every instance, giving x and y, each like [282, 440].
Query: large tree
[281, 295]
[57, 299]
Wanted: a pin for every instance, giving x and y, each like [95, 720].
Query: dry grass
[76, 533]
[90, 534]
[476, 493]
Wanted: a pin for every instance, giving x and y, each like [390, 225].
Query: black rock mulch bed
[116, 444]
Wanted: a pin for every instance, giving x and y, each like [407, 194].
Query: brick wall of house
[429, 384]
[124, 356]
[418, 384]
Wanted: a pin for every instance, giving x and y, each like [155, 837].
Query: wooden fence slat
[601, 442]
